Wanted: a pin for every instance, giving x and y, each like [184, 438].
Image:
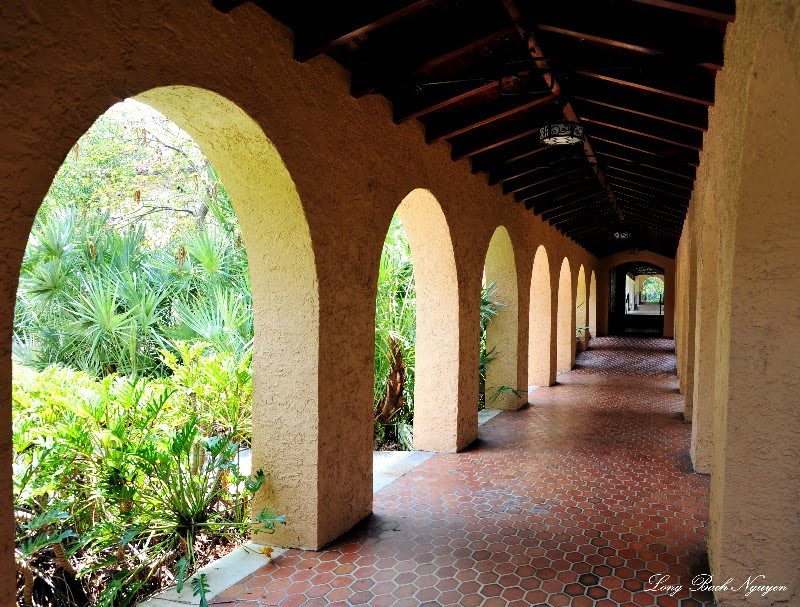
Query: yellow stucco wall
[502, 333]
[351, 167]
[740, 241]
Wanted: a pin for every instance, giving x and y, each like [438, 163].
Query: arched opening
[436, 335]
[540, 368]
[282, 315]
[502, 323]
[652, 290]
[565, 336]
[395, 328]
[632, 309]
[581, 310]
[592, 305]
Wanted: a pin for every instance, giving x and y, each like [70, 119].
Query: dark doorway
[633, 309]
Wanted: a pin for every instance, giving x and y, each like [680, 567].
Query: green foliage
[490, 307]
[124, 475]
[133, 334]
[113, 273]
[653, 290]
[395, 335]
[395, 331]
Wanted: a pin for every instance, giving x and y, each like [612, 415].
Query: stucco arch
[592, 305]
[541, 371]
[285, 298]
[502, 333]
[437, 330]
[565, 327]
[581, 303]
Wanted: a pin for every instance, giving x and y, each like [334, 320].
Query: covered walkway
[577, 499]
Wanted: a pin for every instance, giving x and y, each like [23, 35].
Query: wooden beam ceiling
[485, 76]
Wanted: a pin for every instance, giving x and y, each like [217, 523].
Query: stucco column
[689, 327]
[502, 332]
[705, 305]
[755, 483]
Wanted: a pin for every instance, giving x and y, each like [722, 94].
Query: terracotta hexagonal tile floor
[574, 501]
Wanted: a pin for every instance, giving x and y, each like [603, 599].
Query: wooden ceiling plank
[532, 192]
[619, 125]
[415, 106]
[542, 206]
[610, 29]
[722, 10]
[680, 171]
[480, 117]
[690, 157]
[541, 62]
[660, 191]
[495, 139]
[638, 173]
[336, 31]
[652, 87]
[527, 178]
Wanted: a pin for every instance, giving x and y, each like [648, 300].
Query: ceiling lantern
[561, 133]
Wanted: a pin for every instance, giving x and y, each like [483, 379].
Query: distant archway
[540, 369]
[502, 333]
[565, 335]
[435, 423]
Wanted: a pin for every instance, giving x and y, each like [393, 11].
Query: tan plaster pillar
[541, 370]
[502, 332]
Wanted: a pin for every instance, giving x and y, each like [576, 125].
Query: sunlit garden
[132, 391]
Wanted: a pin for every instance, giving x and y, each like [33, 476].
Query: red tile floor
[576, 500]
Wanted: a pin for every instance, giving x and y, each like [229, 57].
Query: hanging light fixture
[561, 133]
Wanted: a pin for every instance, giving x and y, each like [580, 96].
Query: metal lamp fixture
[561, 133]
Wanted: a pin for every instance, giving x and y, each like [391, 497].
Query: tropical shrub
[395, 335]
[118, 486]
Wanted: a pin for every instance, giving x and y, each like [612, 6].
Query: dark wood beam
[639, 125]
[640, 172]
[643, 73]
[657, 191]
[622, 29]
[388, 58]
[568, 209]
[671, 87]
[637, 103]
[533, 192]
[635, 161]
[469, 47]
[415, 105]
[657, 211]
[637, 218]
[723, 10]
[542, 206]
[583, 231]
[539, 59]
[533, 161]
[470, 144]
[465, 121]
[644, 145]
[337, 24]
[536, 178]
[649, 197]
[519, 149]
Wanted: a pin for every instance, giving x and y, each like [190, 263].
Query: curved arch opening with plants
[132, 384]
[395, 340]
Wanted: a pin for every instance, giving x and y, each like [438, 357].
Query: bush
[119, 486]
